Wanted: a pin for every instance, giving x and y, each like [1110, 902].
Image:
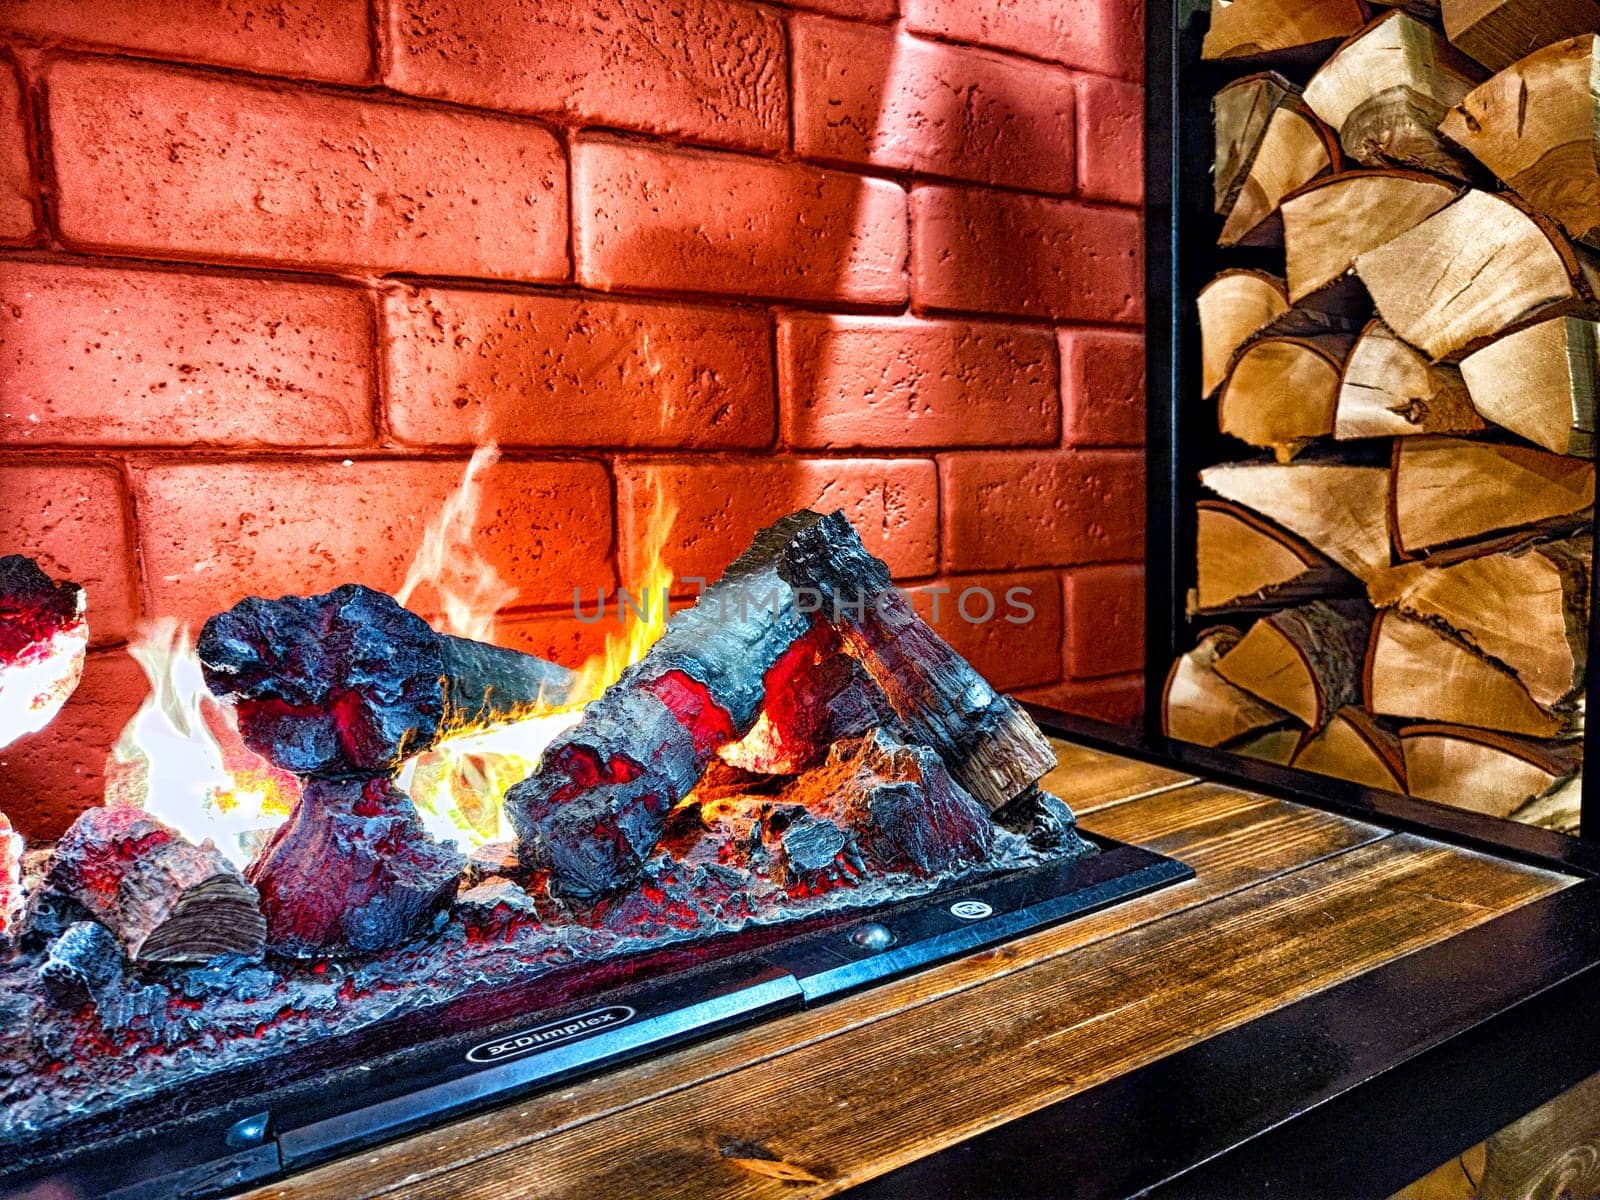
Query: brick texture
[1004, 510]
[866, 95]
[1102, 385]
[1111, 152]
[1095, 35]
[706, 70]
[557, 371]
[657, 219]
[91, 355]
[16, 178]
[1007, 626]
[177, 164]
[212, 533]
[1106, 636]
[307, 39]
[856, 10]
[976, 250]
[863, 382]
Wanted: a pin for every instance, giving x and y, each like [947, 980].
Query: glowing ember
[43, 639]
[10, 873]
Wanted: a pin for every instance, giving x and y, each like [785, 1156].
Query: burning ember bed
[753, 813]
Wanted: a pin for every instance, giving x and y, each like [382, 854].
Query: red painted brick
[1007, 626]
[91, 356]
[881, 382]
[211, 533]
[1119, 701]
[559, 637]
[866, 95]
[1102, 386]
[309, 39]
[73, 520]
[855, 10]
[1105, 621]
[150, 160]
[1094, 35]
[654, 218]
[720, 506]
[16, 172]
[1110, 140]
[993, 252]
[1004, 510]
[48, 778]
[567, 371]
[705, 70]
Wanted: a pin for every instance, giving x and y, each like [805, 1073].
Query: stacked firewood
[1400, 569]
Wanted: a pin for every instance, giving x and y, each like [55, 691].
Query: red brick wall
[271, 270]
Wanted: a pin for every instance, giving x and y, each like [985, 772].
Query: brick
[93, 356]
[994, 252]
[1102, 387]
[897, 382]
[211, 533]
[150, 160]
[17, 222]
[867, 95]
[48, 778]
[893, 504]
[660, 219]
[1093, 35]
[703, 70]
[560, 637]
[73, 519]
[1005, 510]
[1105, 621]
[306, 39]
[1006, 626]
[855, 10]
[1110, 140]
[568, 371]
[1119, 701]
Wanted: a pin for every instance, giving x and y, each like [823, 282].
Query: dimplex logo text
[543, 1037]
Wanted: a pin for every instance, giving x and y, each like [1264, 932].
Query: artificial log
[351, 871]
[349, 683]
[1485, 772]
[1447, 492]
[1306, 660]
[43, 640]
[1356, 747]
[1535, 126]
[10, 877]
[1499, 32]
[1233, 307]
[1339, 510]
[1474, 270]
[1247, 29]
[1329, 222]
[1283, 391]
[1415, 670]
[1525, 607]
[1540, 382]
[1388, 389]
[1200, 706]
[166, 899]
[1268, 144]
[1245, 562]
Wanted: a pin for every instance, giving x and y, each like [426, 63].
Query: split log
[1306, 661]
[1387, 89]
[350, 683]
[1426, 9]
[1355, 747]
[1540, 382]
[10, 878]
[1202, 707]
[1268, 144]
[1329, 222]
[1233, 307]
[1482, 771]
[1282, 392]
[1276, 746]
[351, 871]
[1499, 32]
[1245, 562]
[166, 899]
[1249, 29]
[1447, 492]
[1389, 390]
[43, 641]
[1535, 126]
[1416, 671]
[1526, 607]
[1480, 267]
[1341, 511]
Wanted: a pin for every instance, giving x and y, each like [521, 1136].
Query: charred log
[82, 966]
[10, 878]
[43, 640]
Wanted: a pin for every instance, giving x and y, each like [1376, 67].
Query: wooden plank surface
[1286, 901]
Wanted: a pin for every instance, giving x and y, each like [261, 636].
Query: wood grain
[1091, 779]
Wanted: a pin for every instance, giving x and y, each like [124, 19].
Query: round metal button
[872, 936]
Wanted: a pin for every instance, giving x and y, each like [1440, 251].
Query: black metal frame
[1181, 255]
